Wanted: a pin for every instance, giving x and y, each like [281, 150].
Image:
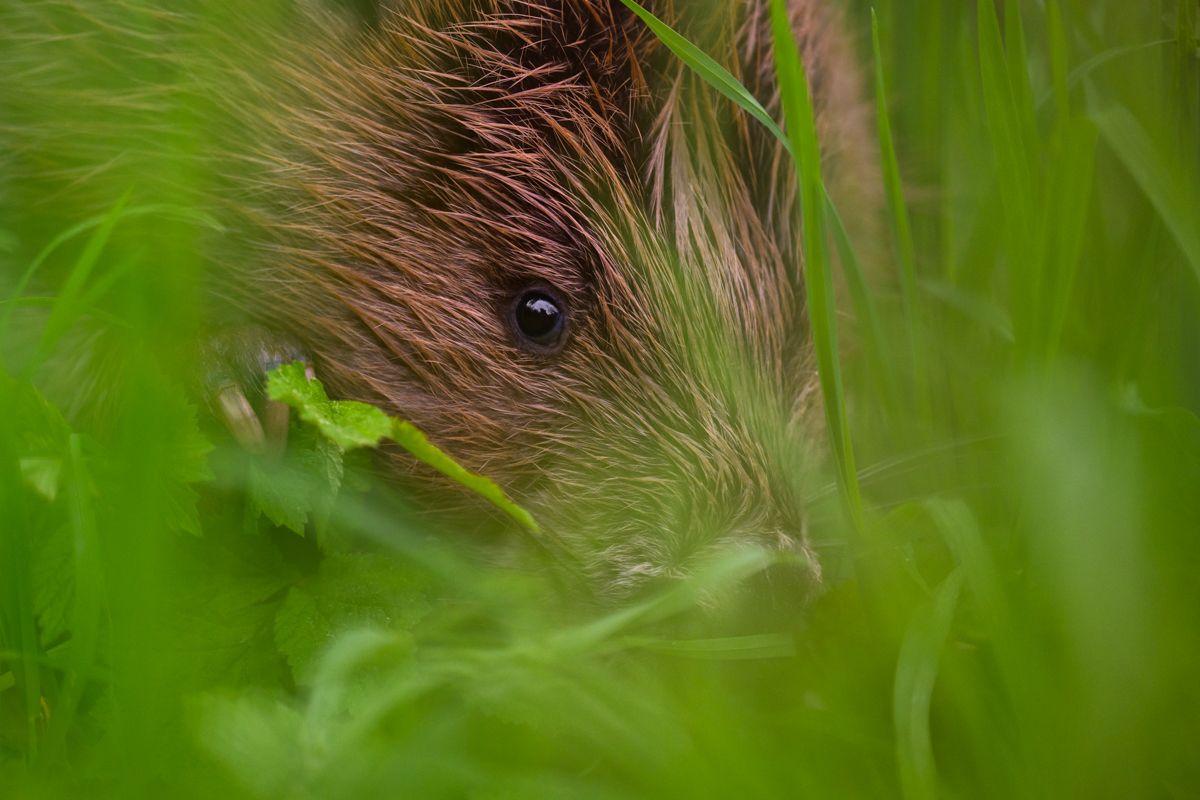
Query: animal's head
[524, 226]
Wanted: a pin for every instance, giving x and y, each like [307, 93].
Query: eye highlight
[539, 319]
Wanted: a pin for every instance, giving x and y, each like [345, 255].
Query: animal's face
[529, 231]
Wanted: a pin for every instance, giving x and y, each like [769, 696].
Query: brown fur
[389, 187]
[414, 175]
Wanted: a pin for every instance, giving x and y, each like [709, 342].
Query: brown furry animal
[526, 227]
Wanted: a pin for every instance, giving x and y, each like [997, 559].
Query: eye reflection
[540, 320]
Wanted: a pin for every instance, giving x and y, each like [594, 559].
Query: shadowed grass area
[1008, 524]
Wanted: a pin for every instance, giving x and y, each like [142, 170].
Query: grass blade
[870, 328]
[1018, 76]
[1177, 204]
[901, 225]
[916, 674]
[1069, 201]
[67, 305]
[732, 648]
[801, 124]
[1015, 168]
[1059, 62]
[708, 69]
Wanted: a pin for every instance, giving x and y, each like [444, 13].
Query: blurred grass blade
[97, 223]
[88, 599]
[960, 531]
[67, 306]
[1177, 203]
[733, 648]
[1004, 118]
[19, 640]
[1060, 58]
[906, 253]
[1015, 167]
[801, 126]
[870, 328]
[35, 265]
[983, 312]
[1069, 194]
[916, 674]
[1018, 76]
[1092, 64]
[901, 226]
[721, 572]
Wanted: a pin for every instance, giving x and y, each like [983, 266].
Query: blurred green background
[1011, 610]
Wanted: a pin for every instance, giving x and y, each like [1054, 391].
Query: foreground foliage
[1009, 530]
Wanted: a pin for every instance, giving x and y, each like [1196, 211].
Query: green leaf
[258, 739]
[870, 329]
[225, 599]
[102, 225]
[65, 305]
[1069, 191]
[283, 495]
[351, 591]
[41, 429]
[352, 425]
[347, 424]
[301, 486]
[1018, 76]
[188, 464]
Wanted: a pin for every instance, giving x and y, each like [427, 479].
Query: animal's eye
[539, 317]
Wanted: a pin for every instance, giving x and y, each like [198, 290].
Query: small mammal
[526, 227]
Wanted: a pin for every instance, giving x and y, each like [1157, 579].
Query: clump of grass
[1016, 444]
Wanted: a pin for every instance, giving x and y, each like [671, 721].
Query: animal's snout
[741, 572]
[788, 584]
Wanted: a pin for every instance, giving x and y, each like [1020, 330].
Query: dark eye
[540, 319]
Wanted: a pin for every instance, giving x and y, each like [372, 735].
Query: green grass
[1010, 526]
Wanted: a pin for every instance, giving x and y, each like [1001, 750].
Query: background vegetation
[1011, 530]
